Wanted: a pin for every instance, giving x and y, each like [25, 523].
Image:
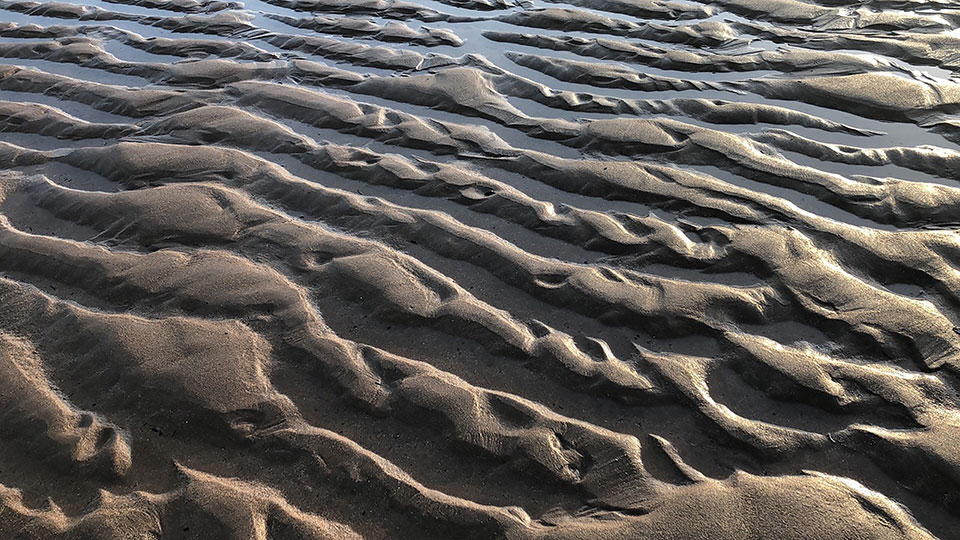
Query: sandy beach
[480, 269]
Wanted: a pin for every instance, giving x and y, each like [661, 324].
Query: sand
[386, 269]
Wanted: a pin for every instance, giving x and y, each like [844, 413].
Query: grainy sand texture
[480, 269]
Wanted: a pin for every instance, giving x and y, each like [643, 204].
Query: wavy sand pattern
[566, 269]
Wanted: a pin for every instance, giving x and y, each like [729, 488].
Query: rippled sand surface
[565, 269]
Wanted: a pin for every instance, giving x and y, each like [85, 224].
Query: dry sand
[580, 269]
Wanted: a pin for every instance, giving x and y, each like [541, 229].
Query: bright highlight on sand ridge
[480, 269]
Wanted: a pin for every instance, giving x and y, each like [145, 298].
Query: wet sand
[591, 269]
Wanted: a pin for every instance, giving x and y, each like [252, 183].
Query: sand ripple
[479, 269]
